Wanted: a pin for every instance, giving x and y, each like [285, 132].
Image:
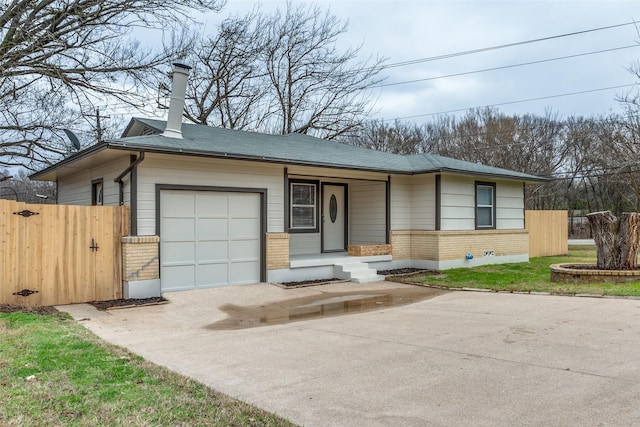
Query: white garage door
[208, 239]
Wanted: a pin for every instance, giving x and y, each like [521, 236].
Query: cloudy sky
[411, 30]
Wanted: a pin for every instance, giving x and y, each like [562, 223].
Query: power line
[589, 174]
[502, 46]
[518, 101]
[507, 66]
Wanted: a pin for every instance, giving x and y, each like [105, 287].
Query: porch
[330, 265]
[333, 258]
[341, 265]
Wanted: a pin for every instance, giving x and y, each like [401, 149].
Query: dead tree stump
[617, 239]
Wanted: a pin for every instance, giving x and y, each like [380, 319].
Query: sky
[410, 30]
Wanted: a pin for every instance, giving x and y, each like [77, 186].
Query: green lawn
[54, 372]
[532, 276]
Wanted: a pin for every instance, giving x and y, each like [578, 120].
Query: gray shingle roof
[292, 148]
[295, 149]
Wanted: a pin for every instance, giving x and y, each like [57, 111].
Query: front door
[334, 219]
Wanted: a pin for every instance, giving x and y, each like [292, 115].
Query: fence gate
[56, 254]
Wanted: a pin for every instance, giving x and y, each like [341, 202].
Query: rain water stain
[324, 304]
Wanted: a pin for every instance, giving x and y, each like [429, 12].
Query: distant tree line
[17, 186]
[593, 163]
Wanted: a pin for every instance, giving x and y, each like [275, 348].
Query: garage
[209, 238]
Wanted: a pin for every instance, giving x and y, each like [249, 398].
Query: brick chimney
[176, 104]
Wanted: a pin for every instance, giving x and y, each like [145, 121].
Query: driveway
[454, 358]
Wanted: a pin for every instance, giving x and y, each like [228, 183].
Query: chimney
[176, 104]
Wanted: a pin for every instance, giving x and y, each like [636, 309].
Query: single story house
[224, 207]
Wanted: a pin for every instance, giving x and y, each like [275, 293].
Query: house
[212, 206]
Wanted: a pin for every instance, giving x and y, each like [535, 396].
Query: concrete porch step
[358, 272]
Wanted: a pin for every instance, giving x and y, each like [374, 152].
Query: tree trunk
[617, 239]
[629, 232]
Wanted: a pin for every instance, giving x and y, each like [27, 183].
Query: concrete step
[358, 272]
[368, 278]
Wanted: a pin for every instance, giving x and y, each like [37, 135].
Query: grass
[532, 276]
[55, 372]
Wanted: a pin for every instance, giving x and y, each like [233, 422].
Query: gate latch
[94, 247]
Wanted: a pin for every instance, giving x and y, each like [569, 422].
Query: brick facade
[277, 251]
[401, 244]
[368, 250]
[451, 245]
[140, 258]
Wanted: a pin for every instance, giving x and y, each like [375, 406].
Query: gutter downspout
[134, 193]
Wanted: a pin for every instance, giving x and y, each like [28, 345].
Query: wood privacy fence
[548, 233]
[55, 254]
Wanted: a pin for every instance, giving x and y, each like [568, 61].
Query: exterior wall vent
[148, 131]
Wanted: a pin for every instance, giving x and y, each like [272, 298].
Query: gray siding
[76, 189]
[367, 212]
[401, 202]
[510, 205]
[304, 243]
[423, 202]
[458, 203]
[413, 202]
[195, 171]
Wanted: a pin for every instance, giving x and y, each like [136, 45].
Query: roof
[202, 140]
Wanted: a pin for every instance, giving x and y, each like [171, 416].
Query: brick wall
[451, 245]
[456, 244]
[140, 259]
[401, 244]
[368, 250]
[277, 251]
[426, 244]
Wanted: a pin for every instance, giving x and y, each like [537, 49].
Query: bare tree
[393, 137]
[281, 73]
[315, 88]
[59, 57]
[17, 186]
[226, 86]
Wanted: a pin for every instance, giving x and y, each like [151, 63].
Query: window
[485, 205]
[96, 192]
[303, 214]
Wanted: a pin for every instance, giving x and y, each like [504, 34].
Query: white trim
[314, 206]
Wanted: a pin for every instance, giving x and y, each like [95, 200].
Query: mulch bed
[127, 303]
[305, 283]
[405, 271]
[100, 305]
[398, 272]
[10, 308]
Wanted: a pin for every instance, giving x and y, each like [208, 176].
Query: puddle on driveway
[322, 305]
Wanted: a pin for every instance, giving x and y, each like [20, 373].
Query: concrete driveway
[458, 358]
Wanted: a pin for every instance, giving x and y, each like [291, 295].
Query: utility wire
[518, 101]
[590, 174]
[507, 66]
[502, 46]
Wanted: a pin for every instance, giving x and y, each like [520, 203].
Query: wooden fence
[548, 233]
[56, 254]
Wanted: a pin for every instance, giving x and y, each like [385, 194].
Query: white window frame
[97, 192]
[306, 228]
[492, 206]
